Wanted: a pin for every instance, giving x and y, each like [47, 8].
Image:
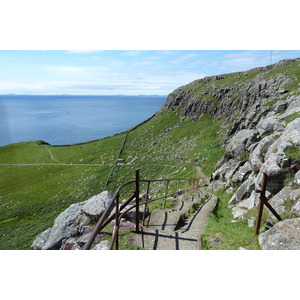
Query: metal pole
[166, 193]
[146, 202]
[117, 221]
[262, 197]
[137, 199]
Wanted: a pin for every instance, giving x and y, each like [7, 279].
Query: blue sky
[127, 72]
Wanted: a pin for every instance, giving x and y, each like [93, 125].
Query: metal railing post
[117, 221]
[261, 203]
[166, 193]
[137, 200]
[146, 202]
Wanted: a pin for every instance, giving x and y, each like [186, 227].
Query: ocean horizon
[69, 119]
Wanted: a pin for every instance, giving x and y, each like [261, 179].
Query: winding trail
[51, 155]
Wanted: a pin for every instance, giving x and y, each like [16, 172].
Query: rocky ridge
[260, 110]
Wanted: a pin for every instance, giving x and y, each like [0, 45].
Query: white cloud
[183, 58]
[72, 69]
[132, 53]
[196, 62]
[244, 60]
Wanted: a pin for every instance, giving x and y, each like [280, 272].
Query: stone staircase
[177, 228]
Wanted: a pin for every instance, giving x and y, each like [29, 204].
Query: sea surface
[65, 119]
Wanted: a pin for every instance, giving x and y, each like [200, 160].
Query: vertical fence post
[166, 193]
[137, 199]
[261, 203]
[117, 221]
[146, 202]
[187, 189]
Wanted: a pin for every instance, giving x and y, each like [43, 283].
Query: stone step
[160, 234]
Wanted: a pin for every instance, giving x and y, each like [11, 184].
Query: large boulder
[285, 235]
[70, 222]
[226, 170]
[293, 107]
[244, 190]
[257, 156]
[269, 125]
[242, 172]
[283, 200]
[275, 173]
[240, 142]
[95, 206]
[66, 225]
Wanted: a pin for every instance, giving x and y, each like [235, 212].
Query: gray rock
[281, 202]
[95, 206]
[284, 235]
[296, 209]
[268, 125]
[215, 185]
[230, 190]
[297, 178]
[238, 212]
[290, 134]
[66, 225]
[216, 241]
[242, 172]
[244, 190]
[69, 222]
[257, 156]
[238, 143]
[276, 175]
[251, 222]
[282, 161]
[41, 240]
[227, 169]
[293, 107]
[103, 245]
[280, 106]
[250, 202]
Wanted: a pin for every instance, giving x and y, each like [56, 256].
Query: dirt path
[203, 178]
[51, 155]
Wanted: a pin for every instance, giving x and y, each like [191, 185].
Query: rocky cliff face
[260, 110]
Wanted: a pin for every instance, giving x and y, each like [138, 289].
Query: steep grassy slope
[38, 181]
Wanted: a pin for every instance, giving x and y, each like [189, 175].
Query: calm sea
[61, 120]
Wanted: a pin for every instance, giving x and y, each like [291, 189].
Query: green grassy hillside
[38, 181]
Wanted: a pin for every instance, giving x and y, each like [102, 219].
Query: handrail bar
[99, 226]
[104, 216]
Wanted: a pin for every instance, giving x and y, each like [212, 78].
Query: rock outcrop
[71, 222]
[260, 110]
[73, 227]
[285, 235]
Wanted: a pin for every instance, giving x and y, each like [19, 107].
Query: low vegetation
[38, 181]
[232, 235]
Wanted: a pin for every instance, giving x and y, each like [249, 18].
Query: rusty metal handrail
[107, 217]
